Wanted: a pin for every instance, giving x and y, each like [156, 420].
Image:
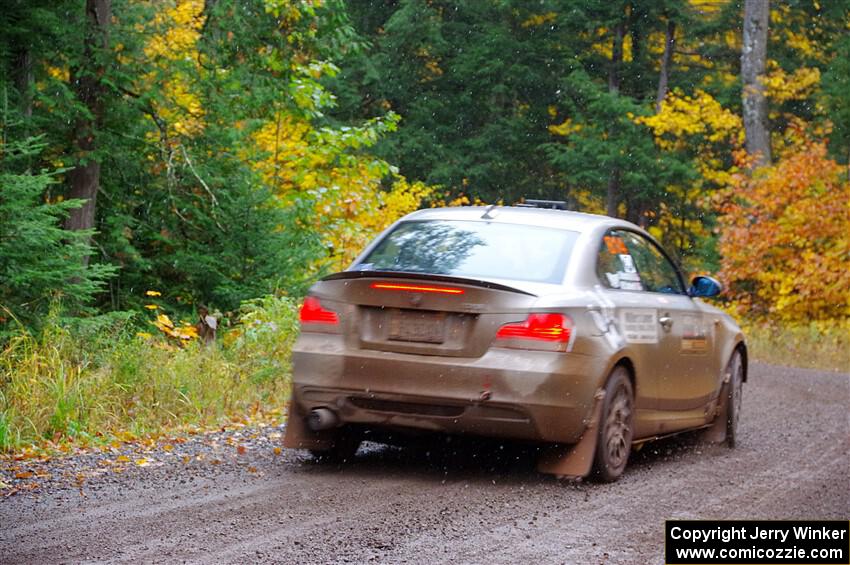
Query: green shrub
[68, 383]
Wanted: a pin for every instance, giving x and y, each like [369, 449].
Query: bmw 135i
[570, 330]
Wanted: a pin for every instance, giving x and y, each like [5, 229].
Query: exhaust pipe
[321, 419]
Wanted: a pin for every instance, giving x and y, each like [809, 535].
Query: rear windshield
[474, 249]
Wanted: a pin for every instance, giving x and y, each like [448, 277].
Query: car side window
[615, 266]
[657, 273]
[629, 261]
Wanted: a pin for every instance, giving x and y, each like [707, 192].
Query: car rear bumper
[528, 395]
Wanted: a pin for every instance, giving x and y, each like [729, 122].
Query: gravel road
[231, 497]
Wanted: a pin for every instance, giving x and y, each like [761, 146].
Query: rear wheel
[616, 427]
[346, 442]
[734, 394]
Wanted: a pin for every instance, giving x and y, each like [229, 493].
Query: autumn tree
[786, 237]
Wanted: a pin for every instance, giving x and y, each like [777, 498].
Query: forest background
[160, 156]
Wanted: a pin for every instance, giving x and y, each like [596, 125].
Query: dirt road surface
[209, 500]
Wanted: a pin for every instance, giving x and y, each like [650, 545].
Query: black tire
[616, 427]
[734, 394]
[345, 445]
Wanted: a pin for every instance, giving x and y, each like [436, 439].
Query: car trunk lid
[421, 313]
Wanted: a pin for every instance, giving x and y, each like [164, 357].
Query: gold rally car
[571, 330]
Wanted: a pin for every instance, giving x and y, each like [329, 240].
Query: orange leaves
[786, 237]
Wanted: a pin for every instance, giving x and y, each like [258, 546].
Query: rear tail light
[545, 331]
[315, 316]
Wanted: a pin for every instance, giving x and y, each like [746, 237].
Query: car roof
[563, 219]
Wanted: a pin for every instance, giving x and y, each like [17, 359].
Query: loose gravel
[235, 496]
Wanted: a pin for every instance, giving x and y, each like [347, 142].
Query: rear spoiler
[420, 276]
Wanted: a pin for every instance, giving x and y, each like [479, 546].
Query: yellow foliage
[163, 321]
[536, 20]
[655, 43]
[697, 122]
[709, 8]
[588, 201]
[172, 35]
[357, 215]
[351, 205]
[59, 73]
[798, 85]
[284, 138]
[565, 128]
[725, 78]
[733, 39]
[603, 44]
[178, 30]
[797, 30]
[803, 44]
[682, 116]
[183, 333]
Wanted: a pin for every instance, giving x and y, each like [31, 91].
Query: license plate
[425, 327]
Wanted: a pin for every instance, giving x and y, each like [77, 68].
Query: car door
[663, 327]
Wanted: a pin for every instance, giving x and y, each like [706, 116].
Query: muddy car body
[569, 329]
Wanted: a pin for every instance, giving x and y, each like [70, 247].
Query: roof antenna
[486, 215]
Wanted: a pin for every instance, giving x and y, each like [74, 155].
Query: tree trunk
[613, 193]
[616, 58]
[753, 61]
[613, 197]
[23, 79]
[84, 179]
[666, 58]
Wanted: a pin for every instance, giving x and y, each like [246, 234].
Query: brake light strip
[418, 288]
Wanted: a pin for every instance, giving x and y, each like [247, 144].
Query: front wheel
[616, 427]
[734, 393]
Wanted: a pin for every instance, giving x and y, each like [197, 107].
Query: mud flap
[716, 432]
[575, 461]
[299, 436]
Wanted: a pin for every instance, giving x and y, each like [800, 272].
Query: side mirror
[705, 287]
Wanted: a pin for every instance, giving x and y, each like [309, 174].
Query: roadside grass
[821, 345]
[67, 386]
